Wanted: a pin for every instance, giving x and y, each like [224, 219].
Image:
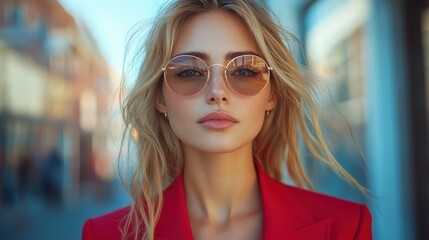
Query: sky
[110, 20]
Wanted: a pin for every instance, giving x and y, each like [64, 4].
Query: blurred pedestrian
[7, 182]
[52, 178]
[27, 175]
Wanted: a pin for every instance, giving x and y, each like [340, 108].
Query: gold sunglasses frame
[226, 79]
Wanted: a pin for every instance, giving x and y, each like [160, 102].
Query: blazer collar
[174, 222]
[283, 215]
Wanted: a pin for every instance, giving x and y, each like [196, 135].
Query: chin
[222, 147]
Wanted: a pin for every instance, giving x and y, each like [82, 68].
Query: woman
[216, 112]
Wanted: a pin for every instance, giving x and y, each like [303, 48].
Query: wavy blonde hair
[160, 156]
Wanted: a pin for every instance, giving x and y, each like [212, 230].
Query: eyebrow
[201, 55]
[228, 56]
[231, 55]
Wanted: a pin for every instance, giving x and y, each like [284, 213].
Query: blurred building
[372, 63]
[54, 98]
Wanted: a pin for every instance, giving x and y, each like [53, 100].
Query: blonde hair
[160, 156]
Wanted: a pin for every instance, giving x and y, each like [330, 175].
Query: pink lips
[217, 121]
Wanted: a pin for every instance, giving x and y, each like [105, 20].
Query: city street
[36, 219]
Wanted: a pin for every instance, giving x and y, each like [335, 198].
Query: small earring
[267, 113]
[165, 114]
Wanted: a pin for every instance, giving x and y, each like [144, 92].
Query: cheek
[258, 105]
[255, 116]
[253, 112]
[180, 112]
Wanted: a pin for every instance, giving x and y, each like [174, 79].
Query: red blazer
[288, 213]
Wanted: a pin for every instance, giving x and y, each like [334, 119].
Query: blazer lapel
[316, 230]
[284, 217]
[174, 221]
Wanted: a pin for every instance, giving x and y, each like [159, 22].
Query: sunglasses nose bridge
[219, 73]
[216, 64]
[217, 78]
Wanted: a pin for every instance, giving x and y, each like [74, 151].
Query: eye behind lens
[248, 74]
[186, 75]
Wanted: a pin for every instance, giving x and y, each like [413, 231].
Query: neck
[222, 186]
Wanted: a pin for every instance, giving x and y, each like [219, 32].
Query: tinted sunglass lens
[248, 75]
[185, 75]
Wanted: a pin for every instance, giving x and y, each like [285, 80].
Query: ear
[160, 104]
[272, 103]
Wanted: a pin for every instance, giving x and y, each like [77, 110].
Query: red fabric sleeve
[87, 230]
[364, 231]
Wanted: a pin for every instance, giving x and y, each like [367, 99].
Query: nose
[218, 89]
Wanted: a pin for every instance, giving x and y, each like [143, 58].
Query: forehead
[215, 33]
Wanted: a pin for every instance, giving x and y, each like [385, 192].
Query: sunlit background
[60, 124]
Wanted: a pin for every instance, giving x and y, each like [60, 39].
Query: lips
[217, 121]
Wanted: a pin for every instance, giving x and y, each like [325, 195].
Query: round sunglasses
[187, 75]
